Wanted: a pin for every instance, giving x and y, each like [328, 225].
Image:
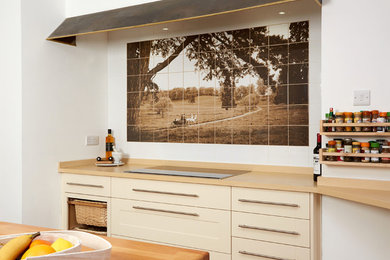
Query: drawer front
[198, 195]
[271, 228]
[86, 184]
[246, 249]
[271, 202]
[206, 229]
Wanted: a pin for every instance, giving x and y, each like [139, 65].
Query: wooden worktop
[299, 179]
[121, 248]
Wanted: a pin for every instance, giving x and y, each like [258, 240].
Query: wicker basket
[90, 213]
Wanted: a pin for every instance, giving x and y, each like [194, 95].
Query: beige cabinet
[231, 223]
[195, 195]
[207, 229]
[270, 224]
[182, 214]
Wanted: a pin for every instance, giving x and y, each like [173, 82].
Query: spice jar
[374, 118]
[381, 142]
[339, 120]
[366, 118]
[366, 149]
[357, 118]
[348, 119]
[332, 149]
[386, 149]
[339, 143]
[348, 149]
[340, 150]
[356, 149]
[375, 150]
[388, 121]
[382, 119]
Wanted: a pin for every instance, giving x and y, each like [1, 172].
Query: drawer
[188, 194]
[206, 229]
[271, 202]
[271, 228]
[246, 249]
[86, 184]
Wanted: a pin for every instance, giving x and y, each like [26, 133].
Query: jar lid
[388, 113]
[365, 144]
[332, 142]
[367, 113]
[357, 113]
[339, 113]
[356, 143]
[375, 145]
[375, 111]
[348, 114]
[383, 114]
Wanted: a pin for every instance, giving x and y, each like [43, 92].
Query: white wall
[11, 112]
[276, 155]
[355, 55]
[64, 99]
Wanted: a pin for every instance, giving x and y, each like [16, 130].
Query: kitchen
[59, 94]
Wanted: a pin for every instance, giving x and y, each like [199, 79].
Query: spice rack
[361, 134]
[342, 163]
[323, 154]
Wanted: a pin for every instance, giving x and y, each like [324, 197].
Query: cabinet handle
[263, 256]
[85, 185]
[166, 193]
[270, 203]
[270, 230]
[167, 211]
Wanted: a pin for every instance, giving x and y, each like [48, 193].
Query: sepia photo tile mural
[247, 86]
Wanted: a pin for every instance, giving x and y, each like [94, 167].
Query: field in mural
[247, 86]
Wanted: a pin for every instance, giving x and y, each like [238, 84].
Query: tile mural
[246, 86]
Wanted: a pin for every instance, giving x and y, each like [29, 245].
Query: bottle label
[109, 147]
[316, 164]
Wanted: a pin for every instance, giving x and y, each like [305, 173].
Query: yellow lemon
[61, 244]
[38, 251]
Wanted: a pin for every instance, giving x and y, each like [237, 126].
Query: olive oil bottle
[110, 142]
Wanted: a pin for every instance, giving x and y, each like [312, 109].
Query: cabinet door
[207, 196]
[206, 229]
[246, 249]
[271, 202]
[86, 184]
[271, 228]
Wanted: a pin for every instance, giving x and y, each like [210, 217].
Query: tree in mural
[225, 56]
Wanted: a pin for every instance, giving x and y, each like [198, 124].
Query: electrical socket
[361, 98]
[92, 140]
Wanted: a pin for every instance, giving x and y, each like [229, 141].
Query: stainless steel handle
[166, 193]
[167, 211]
[263, 256]
[270, 203]
[270, 230]
[85, 185]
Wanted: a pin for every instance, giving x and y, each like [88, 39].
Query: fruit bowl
[100, 248]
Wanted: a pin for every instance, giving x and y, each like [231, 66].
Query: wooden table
[122, 248]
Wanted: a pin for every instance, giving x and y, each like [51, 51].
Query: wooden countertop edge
[220, 166]
[204, 181]
[369, 192]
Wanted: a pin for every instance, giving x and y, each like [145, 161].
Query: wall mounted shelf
[352, 134]
[359, 164]
[151, 14]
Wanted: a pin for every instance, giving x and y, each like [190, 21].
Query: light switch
[361, 98]
[92, 140]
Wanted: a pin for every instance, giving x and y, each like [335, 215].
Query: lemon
[61, 244]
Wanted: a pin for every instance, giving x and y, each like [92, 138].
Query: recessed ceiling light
[281, 12]
[165, 29]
